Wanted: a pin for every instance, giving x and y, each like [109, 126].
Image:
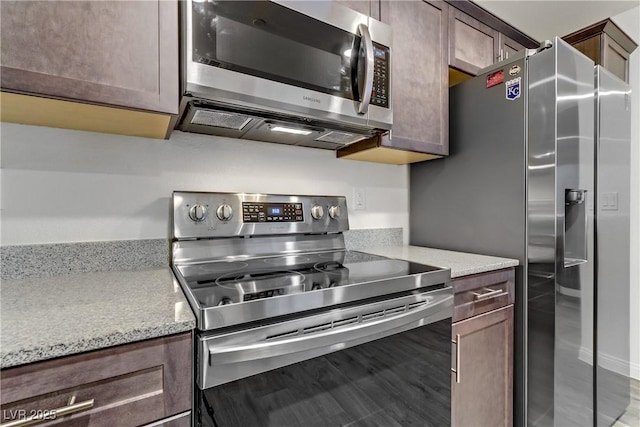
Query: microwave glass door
[270, 41]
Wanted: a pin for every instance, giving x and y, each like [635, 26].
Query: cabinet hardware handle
[456, 370]
[44, 416]
[490, 293]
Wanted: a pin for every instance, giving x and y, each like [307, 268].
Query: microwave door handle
[363, 32]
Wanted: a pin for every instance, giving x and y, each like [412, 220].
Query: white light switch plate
[609, 201]
[359, 199]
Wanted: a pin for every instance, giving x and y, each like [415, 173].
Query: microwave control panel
[272, 212]
[380, 91]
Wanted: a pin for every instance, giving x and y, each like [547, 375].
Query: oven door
[315, 58]
[383, 363]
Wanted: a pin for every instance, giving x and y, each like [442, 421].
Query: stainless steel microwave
[311, 73]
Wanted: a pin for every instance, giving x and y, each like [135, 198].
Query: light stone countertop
[460, 263]
[46, 317]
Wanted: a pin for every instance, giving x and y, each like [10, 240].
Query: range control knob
[224, 212]
[198, 212]
[317, 212]
[334, 212]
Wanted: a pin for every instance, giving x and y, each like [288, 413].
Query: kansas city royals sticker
[513, 88]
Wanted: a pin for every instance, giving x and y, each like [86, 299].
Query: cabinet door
[472, 45]
[481, 387]
[366, 7]
[122, 53]
[419, 76]
[508, 47]
[615, 58]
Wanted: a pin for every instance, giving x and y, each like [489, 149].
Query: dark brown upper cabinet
[121, 54]
[478, 39]
[419, 86]
[508, 47]
[607, 45]
[472, 44]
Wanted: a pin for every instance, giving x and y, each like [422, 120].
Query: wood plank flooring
[398, 381]
[631, 417]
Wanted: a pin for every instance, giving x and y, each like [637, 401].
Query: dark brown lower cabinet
[481, 386]
[128, 385]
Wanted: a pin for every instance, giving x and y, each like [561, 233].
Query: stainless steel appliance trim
[249, 311]
[231, 356]
[203, 81]
[207, 250]
[327, 334]
[259, 94]
[185, 228]
[363, 31]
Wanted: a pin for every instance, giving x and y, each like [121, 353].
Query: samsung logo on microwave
[310, 99]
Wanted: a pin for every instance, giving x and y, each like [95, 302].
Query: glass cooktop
[221, 283]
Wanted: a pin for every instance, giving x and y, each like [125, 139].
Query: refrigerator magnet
[496, 78]
[513, 89]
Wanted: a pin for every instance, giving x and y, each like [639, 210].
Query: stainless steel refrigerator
[531, 143]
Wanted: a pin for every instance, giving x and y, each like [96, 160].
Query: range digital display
[275, 210]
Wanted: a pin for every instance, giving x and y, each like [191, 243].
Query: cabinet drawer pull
[456, 370]
[490, 293]
[50, 415]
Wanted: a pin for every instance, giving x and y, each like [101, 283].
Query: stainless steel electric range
[293, 329]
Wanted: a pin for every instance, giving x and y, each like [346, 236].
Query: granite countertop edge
[62, 349]
[460, 263]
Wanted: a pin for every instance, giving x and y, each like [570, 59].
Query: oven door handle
[435, 306]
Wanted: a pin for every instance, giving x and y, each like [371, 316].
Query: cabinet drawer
[128, 385]
[483, 292]
[180, 420]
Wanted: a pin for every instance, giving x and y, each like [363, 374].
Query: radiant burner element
[266, 284]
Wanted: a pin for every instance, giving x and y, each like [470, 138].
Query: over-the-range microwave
[311, 73]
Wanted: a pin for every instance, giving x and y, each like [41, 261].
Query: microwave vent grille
[340, 137]
[220, 120]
